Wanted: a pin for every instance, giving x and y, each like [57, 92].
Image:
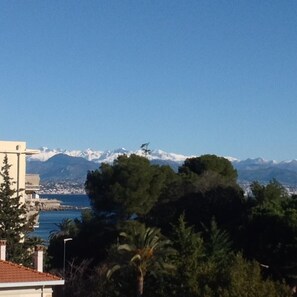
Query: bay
[48, 220]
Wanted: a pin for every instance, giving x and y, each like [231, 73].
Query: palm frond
[112, 270]
[125, 247]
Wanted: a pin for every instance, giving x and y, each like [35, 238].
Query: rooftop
[13, 275]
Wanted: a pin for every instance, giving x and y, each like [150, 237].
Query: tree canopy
[131, 185]
[213, 163]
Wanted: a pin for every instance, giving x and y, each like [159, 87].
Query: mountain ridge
[99, 155]
[59, 164]
[106, 156]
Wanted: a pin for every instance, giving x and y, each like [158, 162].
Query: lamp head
[67, 239]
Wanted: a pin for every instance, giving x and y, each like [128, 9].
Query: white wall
[26, 292]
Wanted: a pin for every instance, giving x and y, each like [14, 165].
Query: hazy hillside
[284, 176]
[62, 167]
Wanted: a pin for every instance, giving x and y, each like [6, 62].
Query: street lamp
[64, 255]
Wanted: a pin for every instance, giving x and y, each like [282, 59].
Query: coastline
[70, 206]
[66, 207]
[45, 204]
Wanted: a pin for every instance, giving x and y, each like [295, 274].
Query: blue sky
[191, 77]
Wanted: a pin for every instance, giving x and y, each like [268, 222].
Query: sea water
[49, 220]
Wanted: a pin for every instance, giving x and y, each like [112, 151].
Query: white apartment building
[16, 152]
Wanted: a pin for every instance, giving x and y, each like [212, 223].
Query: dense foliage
[208, 163]
[14, 222]
[156, 232]
[130, 186]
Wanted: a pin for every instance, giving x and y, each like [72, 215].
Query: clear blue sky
[191, 77]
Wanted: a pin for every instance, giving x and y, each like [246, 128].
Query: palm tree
[67, 228]
[144, 250]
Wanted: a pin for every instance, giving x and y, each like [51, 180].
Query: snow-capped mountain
[250, 164]
[105, 156]
[50, 164]
[46, 153]
[72, 165]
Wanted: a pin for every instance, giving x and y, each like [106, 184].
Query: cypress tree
[14, 223]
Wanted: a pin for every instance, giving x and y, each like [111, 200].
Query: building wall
[16, 152]
[27, 292]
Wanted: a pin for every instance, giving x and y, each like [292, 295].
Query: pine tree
[14, 224]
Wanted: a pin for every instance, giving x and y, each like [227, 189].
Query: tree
[92, 236]
[208, 267]
[270, 234]
[213, 163]
[245, 279]
[14, 223]
[271, 193]
[188, 260]
[130, 186]
[201, 198]
[145, 251]
[217, 245]
[67, 228]
[144, 147]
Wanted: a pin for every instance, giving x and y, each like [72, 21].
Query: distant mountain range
[64, 165]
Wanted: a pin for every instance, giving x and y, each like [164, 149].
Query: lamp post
[64, 255]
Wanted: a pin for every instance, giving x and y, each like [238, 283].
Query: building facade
[16, 152]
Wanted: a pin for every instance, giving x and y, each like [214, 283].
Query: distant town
[77, 188]
[64, 188]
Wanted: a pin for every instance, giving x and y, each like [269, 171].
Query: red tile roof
[14, 273]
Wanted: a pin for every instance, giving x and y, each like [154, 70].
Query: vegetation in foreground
[156, 232]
